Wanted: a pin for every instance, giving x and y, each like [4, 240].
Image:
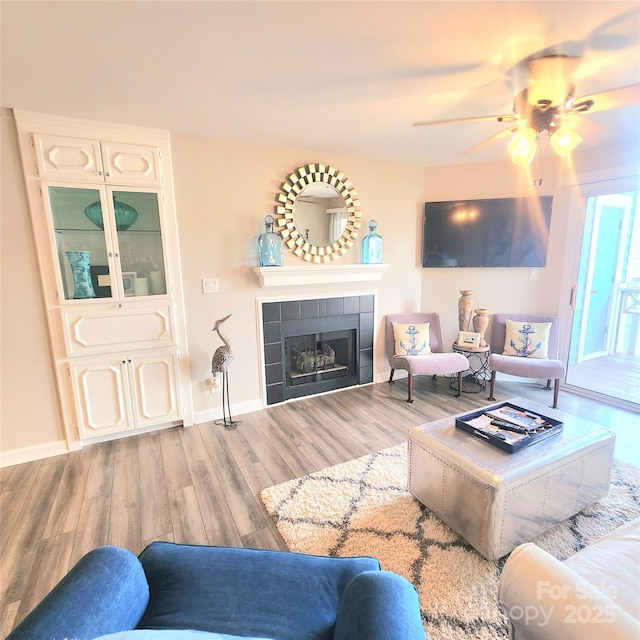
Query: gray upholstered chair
[435, 363]
[549, 368]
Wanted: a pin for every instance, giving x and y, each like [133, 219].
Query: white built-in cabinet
[96, 160]
[101, 200]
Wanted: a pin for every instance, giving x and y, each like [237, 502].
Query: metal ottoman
[497, 500]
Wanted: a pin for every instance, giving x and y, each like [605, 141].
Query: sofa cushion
[276, 594]
[526, 367]
[546, 600]
[174, 634]
[437, 364]
[612, 565]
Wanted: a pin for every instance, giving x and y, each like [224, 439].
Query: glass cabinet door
[81, 243]
[139, 234]
[108, 242]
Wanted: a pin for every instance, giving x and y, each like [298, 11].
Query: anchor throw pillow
[527, 339]
[411, 339]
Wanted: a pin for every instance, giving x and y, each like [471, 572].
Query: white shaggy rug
[362, 507]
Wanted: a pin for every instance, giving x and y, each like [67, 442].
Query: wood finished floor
[200, 485]
[616, 375]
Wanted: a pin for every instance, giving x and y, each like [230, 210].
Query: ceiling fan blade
[611, 99]
[503, 118]
[505, 133]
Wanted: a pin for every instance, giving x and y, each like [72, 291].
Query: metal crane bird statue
[221, 363]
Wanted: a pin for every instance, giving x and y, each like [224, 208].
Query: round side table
[475, 377]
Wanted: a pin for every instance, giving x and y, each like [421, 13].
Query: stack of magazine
[508, 426]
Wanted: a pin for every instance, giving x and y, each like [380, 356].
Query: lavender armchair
[550, 368]
[435, 363]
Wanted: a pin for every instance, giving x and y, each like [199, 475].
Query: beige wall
[497, 289]
[519, 290]
[223, 191]
[30, 413]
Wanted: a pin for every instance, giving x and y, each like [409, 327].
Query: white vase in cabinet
[119, 393]
[60, 157]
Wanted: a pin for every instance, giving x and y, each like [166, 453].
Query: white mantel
[318, 274]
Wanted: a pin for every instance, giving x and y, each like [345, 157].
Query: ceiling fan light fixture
[564, 141]
[547, 107]
[523, 146]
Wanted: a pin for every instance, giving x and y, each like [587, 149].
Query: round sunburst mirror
[318, 213]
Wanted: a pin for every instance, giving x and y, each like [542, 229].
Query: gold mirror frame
[293, 185]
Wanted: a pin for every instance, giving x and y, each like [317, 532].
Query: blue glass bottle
[270, 245]
[372, 246]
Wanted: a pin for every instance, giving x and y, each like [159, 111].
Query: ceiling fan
[547, 108]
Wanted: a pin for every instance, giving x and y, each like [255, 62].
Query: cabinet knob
[98, 173]
[106, 173]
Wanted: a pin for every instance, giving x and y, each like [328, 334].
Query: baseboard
[398, 374]
[209, 415]
[35, 452]
[40, 451]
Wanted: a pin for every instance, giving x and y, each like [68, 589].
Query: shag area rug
[362, 507]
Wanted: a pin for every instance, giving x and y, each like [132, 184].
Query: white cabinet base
[115, 395]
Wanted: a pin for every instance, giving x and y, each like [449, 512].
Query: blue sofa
[227, 593]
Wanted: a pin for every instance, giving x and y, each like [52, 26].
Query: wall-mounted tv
[503, 232]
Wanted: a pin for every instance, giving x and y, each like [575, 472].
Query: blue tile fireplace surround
[311, 346]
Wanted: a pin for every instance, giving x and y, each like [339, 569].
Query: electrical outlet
[210, 285]
[212, 384]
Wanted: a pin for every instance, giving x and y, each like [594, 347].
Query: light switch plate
[210, 285]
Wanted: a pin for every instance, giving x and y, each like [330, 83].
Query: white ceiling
[333, 77]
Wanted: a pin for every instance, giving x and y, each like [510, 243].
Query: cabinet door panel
[155, 397]
[142, 254]
[112, 329]
[102, 397]
[60, 157]
[83, 253]
[130, 163]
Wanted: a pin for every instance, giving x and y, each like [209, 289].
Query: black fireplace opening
[319, 357]
[318, 345]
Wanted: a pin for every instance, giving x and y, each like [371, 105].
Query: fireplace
[320, 361]
[313, 346]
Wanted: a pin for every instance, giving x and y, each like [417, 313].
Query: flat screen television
[500, 232]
